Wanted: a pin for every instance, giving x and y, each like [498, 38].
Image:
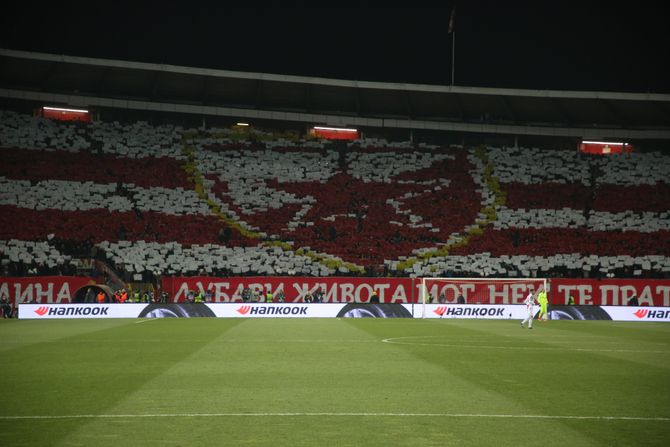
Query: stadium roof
[103, 83]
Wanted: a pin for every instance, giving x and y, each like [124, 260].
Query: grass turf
[306, 382]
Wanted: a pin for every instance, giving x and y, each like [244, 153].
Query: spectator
[199, 297]
[6, 308]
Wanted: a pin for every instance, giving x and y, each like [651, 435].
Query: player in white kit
[529, 302]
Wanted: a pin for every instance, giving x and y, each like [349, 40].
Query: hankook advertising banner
[330, 310]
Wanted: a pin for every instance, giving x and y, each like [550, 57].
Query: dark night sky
[560, 45]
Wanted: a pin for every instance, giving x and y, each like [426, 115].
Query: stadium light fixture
[610, 143]
[335, 129]
[61, 109]
[605, 147]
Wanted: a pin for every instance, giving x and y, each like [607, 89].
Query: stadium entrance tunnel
[89, 294]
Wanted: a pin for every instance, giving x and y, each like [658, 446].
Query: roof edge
[425, 88]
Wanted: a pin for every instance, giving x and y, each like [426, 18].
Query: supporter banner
[296, 289]
[42, 289]
[406, 290]
[350, 310]
[610, 292]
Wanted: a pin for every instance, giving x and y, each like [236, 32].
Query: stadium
[346, 261]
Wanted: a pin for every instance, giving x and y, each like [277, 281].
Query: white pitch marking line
[145, 320]
[393, 341]
[281, 414]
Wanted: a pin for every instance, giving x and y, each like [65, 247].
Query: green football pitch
[333, 382]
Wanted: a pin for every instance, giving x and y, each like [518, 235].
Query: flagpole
[453, 55]
[452, 31]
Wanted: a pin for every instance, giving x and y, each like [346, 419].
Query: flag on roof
[452, 21]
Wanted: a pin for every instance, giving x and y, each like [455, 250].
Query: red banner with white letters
[607, 292]
[41, 289]
[296, 289]
[610, 292]
[614, 292]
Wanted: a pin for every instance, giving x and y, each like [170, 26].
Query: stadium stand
[170, 200]
[567, 213]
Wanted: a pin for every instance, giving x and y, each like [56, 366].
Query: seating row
[646, 222]
[172, 258]
[85, 196]
[563, 264]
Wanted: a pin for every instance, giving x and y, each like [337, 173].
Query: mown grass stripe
[361, 414]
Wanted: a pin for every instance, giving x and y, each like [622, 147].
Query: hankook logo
[641, 313]
[652, 314]
[41, 310]
[440, 310]
[279, 310]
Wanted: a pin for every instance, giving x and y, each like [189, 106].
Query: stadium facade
[402, 111]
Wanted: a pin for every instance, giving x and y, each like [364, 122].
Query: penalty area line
[291, 414]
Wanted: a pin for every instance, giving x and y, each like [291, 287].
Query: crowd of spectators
[136, 198]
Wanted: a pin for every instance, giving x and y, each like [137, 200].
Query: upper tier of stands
[162, 199]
